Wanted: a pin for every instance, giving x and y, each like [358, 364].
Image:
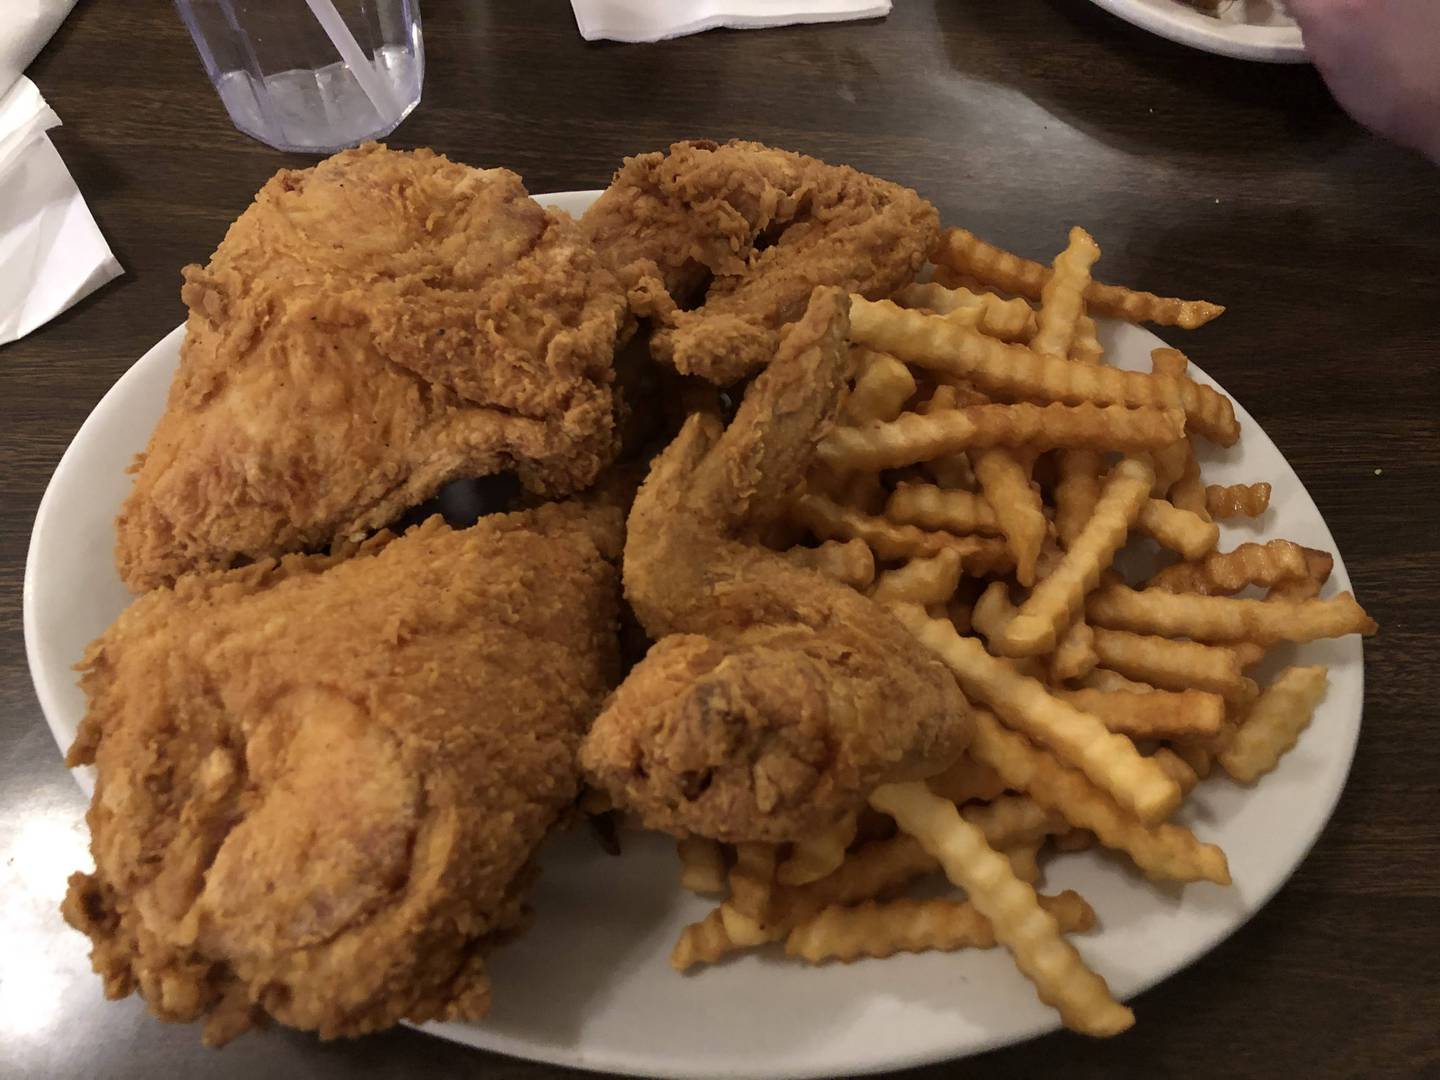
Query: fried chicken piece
[775, 698]
[321, 781]
[369, 330]
[755, 230]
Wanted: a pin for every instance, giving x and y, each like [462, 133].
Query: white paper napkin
[655, 20]
[51, 251]
[24, 29]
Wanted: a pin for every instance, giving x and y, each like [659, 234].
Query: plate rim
[619, 1060]
[1262, 44]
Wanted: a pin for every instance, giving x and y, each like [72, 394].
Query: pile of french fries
[989, 468]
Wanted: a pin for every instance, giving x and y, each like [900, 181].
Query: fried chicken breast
[721, 245]
[368, 330]
[321, 781]
[775, 698]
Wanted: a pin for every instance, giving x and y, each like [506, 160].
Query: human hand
[1381, 60]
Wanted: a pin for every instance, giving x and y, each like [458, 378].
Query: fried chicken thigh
[368, 330]
[321, 782]
[775, 698]
[749, 231]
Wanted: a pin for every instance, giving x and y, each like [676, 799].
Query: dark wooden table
[1199, 175]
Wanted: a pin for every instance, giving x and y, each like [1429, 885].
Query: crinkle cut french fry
[954, 279]
[1009, 320]
[931, 507]
[883, 928]
[1077, 487]
[1188, 493]
[704, 942]
[1237, 500]
[1062, 301]
[817, 856]
[1225, 618]
[879, 868]
[967, 395]
[1274, 723]
[1248, 653]
[992, 611]
[1059, 598]
[864, 491]
[1228, 572]
[1170, 665]
[1075, 655]
[1025, 928]
[828, 520]
[1200, 760]
[1085, 347]
[1297, 589]
[1110, 760]
[1005, 482]
[880, 929]
[965, 781]
[951, 471]
[912, 437]
[1170, 464]
[1167, 361]
[921, 581]
[1077, 490]
[1013, 820]
[1024, 861]
[1179, 530]
[1179, 770]
[965, 253]
[1166, 852]
[941, 398]
[1113, 682]
[752, 879]
[848, 561]
[747, 930]
[881, 389]
[702, 864]
[724, 930]
[997, 368]
[1151, 714]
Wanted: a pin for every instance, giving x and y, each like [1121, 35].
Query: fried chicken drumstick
[775, 698]
[320, 782]
[369, 330]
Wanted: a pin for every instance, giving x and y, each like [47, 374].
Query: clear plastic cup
[313, 76]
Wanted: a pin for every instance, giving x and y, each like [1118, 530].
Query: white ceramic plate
[1246, 29]
[591, 984]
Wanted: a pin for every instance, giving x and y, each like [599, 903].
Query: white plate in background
[591, 986]
[1245, 29]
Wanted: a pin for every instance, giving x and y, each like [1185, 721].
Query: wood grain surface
[1199, 176]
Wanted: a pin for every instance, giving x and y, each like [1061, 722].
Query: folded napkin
[25, 29]
[51, 251]
[654, 20]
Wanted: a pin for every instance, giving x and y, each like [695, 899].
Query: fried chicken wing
[368, 330]
[749, 231]
[321, 781]
[775, 698]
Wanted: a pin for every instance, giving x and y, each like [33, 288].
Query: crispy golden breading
[321, 781]
[776, 697]
[369, 330]
[754, 230]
